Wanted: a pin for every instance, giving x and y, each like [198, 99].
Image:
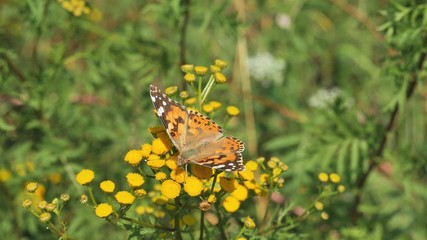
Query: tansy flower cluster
[330, 185]
[76, 7]
[44, 210]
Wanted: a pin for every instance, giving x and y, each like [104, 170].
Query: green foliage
[336, 86]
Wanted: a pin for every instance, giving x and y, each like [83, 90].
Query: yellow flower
[170, 189]
[145, 150]
[249, 223]
[207, 108]
[215, 69]
[42, 204]
[277, 171]
[190, 101]
[160, 176]
[251, 165]
[171, 163]
[156, 164]
[107, 186]
[160, 147]
[249, 184]
[241, 193]
[103, 210]
[335, 178]
[156, 130]
[341, 188]
[188, 220]
[124, 197]
[170, 91]
[83, 198]
[31, 187]
[233, 111]
[216, 105]
[45, 217]
[26, 203]
[85, 176]
[318, 205]
[228, 184]
[55, 178]
[140, 192]
[324, 215]
[160, 200]
[271, 164]
[264, 178]
[159, 214]
[201, 172]
[231, 204]
[212, 198]
[193, 186]
[220, 63]
[135, 179]
[178, 174]
[220, 78]
[65, 197]
[133, 157]
[5, 175]
[140, 210]
[183, 95]
[247, 174]
[187, 68]
[189, 77]
[323, 177]
[200, 70]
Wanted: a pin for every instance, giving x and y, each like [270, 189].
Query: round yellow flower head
[323, 177]
[251, 165]
[170, 91]
[65, 197]
[189, 78]
[171, 163]
[190, 101]
[318, 205]
[103, 210]
[250, 184]
[201, 172]
[145, 150]
[135, 180]
[83, 198]
[160, 147]
[124, 197]
[107, 186]
[201, 70]
[42, 204]
[140, 192]
[231, 204]
[85, 176]
[5, 175]
[228, 184]
[207, 108]
[45, 217]
[249, 223]
[241, 193]
[31, 187]
[220, 78]
[156, 164]
[170, 189]
[179, 174]
[140, 210]
[187, 68]
[216, 105]
[193, 186]
[26, 203]
[183, 95]
[160, 176]
[215, 69]
[324, 215]
[335, 178]
[341, 188]
[212, 198]
[133, 157]
[220, 63]
[233, 111]
[247, 174]
[50, 207]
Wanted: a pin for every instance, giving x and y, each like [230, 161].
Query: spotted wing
[223, 154]
[172, 114]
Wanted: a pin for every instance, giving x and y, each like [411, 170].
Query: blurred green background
[327, 86]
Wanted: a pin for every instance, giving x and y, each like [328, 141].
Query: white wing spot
[219, 166]
[160, 111]
[164, 103]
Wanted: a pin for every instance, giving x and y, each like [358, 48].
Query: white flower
[267, 69]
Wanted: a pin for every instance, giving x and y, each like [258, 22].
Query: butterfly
[198, 139]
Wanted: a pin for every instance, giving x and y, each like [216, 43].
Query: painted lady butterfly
[198, 139]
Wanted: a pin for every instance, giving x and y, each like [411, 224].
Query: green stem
[177, 226]
[92, 198]
[202, 223]
[240, 233]
[199, 93]
[208, 88]
[147, 224]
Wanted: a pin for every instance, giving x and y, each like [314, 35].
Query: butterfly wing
[172, 115]
[223, 154]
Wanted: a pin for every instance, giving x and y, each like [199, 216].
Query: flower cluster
[267, 69]
[76, 7]
[44, 210]
[330, 185]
